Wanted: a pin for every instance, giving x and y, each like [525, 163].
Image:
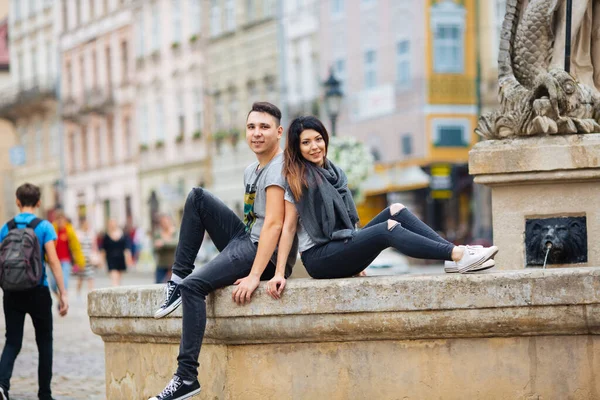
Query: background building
[30, 102]
[243, 67]
[7, 133]
[154, 96]
[300, 26]
[98, 95]
[170, 42]
[408, 72]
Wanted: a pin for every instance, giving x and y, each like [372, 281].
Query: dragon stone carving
[535, 97]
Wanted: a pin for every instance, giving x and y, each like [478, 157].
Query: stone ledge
[504, 303]
[535, 154]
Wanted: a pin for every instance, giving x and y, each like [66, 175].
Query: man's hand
[275, 287]
[63, 304]
[245, 287]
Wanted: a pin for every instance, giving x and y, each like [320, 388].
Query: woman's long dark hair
[294, 166]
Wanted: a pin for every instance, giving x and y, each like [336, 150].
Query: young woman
[116, 251]
[320, 209]
[87, 239]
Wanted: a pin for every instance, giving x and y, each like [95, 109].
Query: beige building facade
[169, 47]
[7, 132]
[243, 67]
[29, 103]
[98, 95]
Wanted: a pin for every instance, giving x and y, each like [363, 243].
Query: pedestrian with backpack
[25, 241]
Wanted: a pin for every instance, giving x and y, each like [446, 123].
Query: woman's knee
[391, 224]
[396, 208]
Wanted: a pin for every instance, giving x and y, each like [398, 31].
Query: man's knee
[396, 208]
[196, 286]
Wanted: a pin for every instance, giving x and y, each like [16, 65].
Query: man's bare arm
[269, 237]
[56, 269]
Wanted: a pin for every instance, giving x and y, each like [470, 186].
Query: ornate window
[448, 26]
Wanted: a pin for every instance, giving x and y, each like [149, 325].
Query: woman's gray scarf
[326, 207]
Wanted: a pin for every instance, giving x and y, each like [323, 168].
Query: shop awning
[395, 179]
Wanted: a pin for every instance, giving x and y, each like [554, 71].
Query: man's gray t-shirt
[304, 240]
[256, 182]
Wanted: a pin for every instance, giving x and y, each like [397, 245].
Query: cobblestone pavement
[78, 353]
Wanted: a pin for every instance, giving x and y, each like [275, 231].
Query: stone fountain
[542, 156]
[521, 334]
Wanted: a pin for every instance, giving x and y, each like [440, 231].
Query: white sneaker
[450, 267]
[473, 257]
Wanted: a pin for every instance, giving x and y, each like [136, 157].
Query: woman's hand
[275, 287]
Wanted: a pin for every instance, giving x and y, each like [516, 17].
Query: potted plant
[234, 136]
[175, 45]
[179, 138]
[219, 136]
[193, 38]
[159, 144]
[197, 135]
[143, 147]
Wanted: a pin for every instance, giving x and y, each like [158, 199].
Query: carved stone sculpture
[536, 96]
[565, 240]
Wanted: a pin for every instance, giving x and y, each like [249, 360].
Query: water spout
[548, 247]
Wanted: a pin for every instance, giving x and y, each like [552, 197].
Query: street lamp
[333, 99]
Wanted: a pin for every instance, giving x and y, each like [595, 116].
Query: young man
[243, 260]
[36, 302]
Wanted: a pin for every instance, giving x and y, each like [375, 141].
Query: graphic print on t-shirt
[249, 197]
[249, 215]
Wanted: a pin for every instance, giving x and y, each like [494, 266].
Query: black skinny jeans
[345, 258]
[38, 304]
[203, 213]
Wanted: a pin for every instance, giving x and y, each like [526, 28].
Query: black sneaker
[3, 394]
[177, 390]
[172, 300]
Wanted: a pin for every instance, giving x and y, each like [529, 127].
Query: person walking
[87, 240]
[116, 251]
[35, 301]
[68, 249]
[165, 243]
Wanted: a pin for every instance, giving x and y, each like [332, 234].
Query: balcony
[98, 101]
[71, 110]
[27, 97]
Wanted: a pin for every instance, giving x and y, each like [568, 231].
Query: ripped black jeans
[345, 258]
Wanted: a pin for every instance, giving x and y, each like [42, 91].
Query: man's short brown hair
[266, 107]
[28, 195]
